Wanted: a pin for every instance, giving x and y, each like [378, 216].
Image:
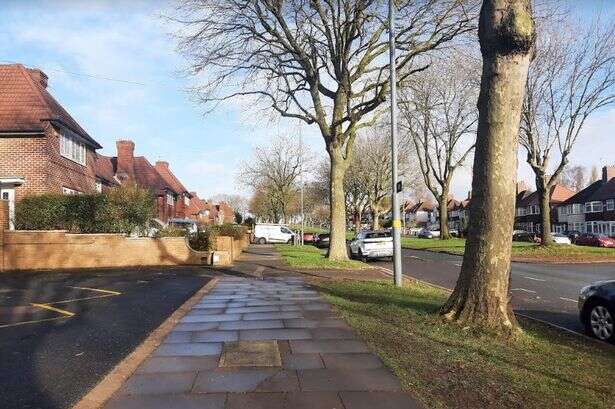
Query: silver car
[372, 244]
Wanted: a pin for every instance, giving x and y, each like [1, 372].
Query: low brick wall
[32, 250]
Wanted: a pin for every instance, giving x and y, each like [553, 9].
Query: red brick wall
[38, 161]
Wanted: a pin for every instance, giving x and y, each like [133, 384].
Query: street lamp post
[396, 187]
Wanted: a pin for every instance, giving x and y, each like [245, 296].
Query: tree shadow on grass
[429, 311]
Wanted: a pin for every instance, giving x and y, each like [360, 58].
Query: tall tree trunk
[545, 211]
[337, 240]
[357, 222]
[480, 298]
[443, 209]
[376, 218]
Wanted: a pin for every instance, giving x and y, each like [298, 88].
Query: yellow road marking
[32, 322]
[50, 308]
[97, 289]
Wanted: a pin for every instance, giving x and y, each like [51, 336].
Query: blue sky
[128, 41]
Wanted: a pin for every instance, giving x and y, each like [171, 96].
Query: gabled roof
[557, 195]
[147, 176]
[25, 105]
[606, 191]
[422, 206]
[170, 178]
[105, 168]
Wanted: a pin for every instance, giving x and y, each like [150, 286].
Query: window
[520, 211]
[610, 204]
[578, 226]
[533, 209]
[99, 186]
[576, 208]
[562, 212]
[5, 195]
[69, 191]
[186, 201]
[170, 199]
[72, 149]
[593, 207]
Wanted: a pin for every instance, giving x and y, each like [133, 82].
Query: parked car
[308, 238]
[428, 234]
[372, 244]
[454, 232]
[272, 233]
[573, 235]
[596, 240]
[597, 309]
[186, 224]
[519, 235]
[322, 240]
[559, 238]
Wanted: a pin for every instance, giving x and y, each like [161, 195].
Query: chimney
[160, 164]
[125, 159]
[608, 173]
[38, 76]
[522, 186]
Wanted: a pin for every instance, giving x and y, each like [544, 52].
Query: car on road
[272, 233]
[372, 244]
[596, 240]
[428, 234]
[322, 240]
[573, 235]
[519, 235]
[597, 309]
[559, 238]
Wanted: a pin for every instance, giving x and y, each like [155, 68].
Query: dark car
[597, 309]
[596, 240]
[308, 238]
[573, 235]
[322, 240]
[524, 236]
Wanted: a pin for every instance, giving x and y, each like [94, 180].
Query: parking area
[60, 333]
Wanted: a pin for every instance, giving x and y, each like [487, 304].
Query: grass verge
[521, 251]
[446, 366]
[309, 257]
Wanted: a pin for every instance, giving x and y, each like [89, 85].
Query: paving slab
[270, 344]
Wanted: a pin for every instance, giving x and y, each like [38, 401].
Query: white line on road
[457, 264]
[524, 290]
[415, 257]
[534, 278]
[568, 299]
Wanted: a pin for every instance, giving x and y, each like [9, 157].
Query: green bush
[233, 230]
[121, 210]
[204, 239]
[171, 232]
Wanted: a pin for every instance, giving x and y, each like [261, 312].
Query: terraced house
[591, 210]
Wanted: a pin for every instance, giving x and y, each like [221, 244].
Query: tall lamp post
[396, 185]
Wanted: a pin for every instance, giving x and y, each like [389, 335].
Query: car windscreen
[378, 235]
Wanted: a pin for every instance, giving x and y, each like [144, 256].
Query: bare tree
[275, 170]
[238, 203]
[439, 112]
[595, 175]
[572, 76]
[319, 61]
[480, 298]
[574, 177]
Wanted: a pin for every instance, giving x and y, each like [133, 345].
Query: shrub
[204, 239]
[171, 232]
[121, 210]
[232, 230]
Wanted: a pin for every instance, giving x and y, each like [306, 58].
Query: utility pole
[301, 182]
[396, 187]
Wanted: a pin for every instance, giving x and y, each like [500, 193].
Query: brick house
[591, 210]
[42, 148]
[421, 214]
[527, 208]
[126, 167]
[201, 211]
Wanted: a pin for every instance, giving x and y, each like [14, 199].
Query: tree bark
[443, 209]
[376, 218]
[357, 222]
[545, 211]
[480, 297]
[337, 239]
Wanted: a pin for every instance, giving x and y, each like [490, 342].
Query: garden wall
[33, 250]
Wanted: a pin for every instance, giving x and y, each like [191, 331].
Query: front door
[8, 193]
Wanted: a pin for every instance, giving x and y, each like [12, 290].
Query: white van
[272, 233]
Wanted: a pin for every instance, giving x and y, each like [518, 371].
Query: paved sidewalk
[253, 344]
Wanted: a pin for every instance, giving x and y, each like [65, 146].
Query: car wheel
[362, 257]
[600, 322]
[290, 241]
[262, 240]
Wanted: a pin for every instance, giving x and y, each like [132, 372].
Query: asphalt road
[61, 333]
[545, 291]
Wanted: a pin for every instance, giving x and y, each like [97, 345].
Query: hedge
[123, 209]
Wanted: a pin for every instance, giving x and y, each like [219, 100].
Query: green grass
[520, 250]
[310, 257]
[445, 365]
